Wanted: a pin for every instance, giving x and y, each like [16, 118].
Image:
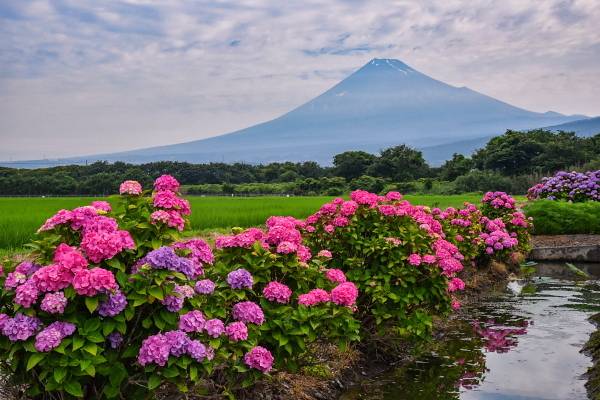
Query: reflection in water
[522, 347]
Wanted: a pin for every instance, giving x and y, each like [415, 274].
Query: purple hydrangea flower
[115, 339]
[54, 303]
[205, 286]
[48, 339]
[21, 327]
[248, 312]
[178, 342]
[155, 349]
[214, 327]
[51, 336]
[192, 321]
[114, 305]
[166, 258]
[239, 279]
[197, 350]
[27, 294]
[173, 303]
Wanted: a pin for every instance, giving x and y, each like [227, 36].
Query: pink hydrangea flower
[166, 182]
[455, 284]
[69, 257]
[335, 275]
[130, 187]
[278, 292]
[344, 294]
[102, 205]
[259, 358]
[414, 259]
[54, 303]
[324, 254]
[236, 331]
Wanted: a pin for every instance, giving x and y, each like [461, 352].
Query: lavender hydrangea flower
[114, 305]
[21, 327]
[54, 303]
[173, 303]
[115, 339]
[48, 339]
[178, 342]
[155, 349]
[51, 336]
[166, 258]
[239, 279]
[205, 286]
[197, 350]
[248, 312]
[192, 321]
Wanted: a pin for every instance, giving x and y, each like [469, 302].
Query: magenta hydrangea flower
[239, 279]
[344, 294]
[313, 297]
[102, 205]
[155, 349]
[114, 305]
[69, 258]
[62, 217]
[130, 187]
[414, 259]
[287, 248]
[52, 278]
[248, 312]
[204, 286]
[214, 327]
[429, 259]
[275, 291]
[236, 331]
[166, 182]
[54, 303]
[455, 284]
[192, 321]
[259, 358]
[89, 282]
[335, 275]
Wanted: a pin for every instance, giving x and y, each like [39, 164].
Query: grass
[560, 217]
[21, 217]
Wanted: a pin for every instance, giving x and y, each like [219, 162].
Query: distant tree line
[510, 162]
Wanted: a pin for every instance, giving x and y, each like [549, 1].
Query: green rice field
[21, 217]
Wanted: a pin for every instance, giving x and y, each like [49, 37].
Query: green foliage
[401, 163]
[482, 181]
[558, 217]
[352, 164]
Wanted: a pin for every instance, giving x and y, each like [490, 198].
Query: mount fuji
[384, 103]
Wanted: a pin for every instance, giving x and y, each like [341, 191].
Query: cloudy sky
[82, 76]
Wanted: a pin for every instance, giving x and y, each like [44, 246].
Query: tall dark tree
[401, 163]
[352, 164]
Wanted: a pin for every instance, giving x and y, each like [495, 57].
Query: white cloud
[82, 77]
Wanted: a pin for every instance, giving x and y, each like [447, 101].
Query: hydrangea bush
[114, 303]
[397, 255]
[571, 186]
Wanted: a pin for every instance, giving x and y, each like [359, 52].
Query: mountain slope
[384, 103]
[583, 127]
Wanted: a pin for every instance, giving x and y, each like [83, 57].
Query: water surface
[523, 344]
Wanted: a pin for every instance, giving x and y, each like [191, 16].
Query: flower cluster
[495, 237]
[572, 186]
[130, 187]
[156, 349]
[278, 292]
[499, 200]
[51, 336]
